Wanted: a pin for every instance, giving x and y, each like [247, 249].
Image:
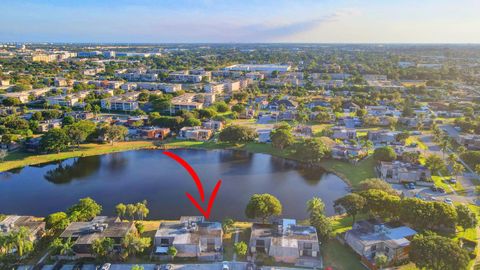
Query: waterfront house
[85, 233]
[286, 242]
[192, 237]
[11, 223]
[403, 172]
[154, 133]
[195, 133]
[369, 238]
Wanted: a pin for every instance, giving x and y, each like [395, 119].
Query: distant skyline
[247, 21]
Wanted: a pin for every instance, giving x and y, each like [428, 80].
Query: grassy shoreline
[352, 174]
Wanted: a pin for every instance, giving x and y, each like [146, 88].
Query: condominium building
[186, 102]
[260, 68]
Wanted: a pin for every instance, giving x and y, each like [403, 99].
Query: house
[382, 136]
[264, 135]
[344, 133]
[347, 152]
[195, 133]
[13, 223]
[213, 124]
[369, 238]
[32, 144]
[85, 233]
[303, 131]
[192, 237]
[288, 115]
[282, 103]
[262, 102]
[154, 133]
[350, 107]
[4, 82]
[470, 141]
[47, 125]
[286, 242]
[401, 172]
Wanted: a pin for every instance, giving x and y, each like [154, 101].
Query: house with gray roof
[192, 236]
[13, 223]
[287, 242]
[85, 233]
[369, 238]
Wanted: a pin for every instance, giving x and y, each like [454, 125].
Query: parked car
[167, 267]
[409, 185]
[434, 188]
[225, 266]
[106, 266]
[441, 190]
[416, 133]
[448, 201]
[453, 181]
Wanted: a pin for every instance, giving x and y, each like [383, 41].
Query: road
[206, 266]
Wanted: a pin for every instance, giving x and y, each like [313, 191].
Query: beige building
[286, 242]
[192, 237]
[401, 172]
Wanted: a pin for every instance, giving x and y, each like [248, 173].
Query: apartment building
[127, 102]
[260, 68]
[192, 237]
[187, 102]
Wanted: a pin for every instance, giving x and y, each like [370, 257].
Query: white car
[448, 201]
[106, 266]
[225, 266]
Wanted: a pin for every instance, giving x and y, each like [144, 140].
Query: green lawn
[18, 159]
[353, 173]
[339, 256]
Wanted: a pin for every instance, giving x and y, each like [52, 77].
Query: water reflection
[148, 174]
[79, 168]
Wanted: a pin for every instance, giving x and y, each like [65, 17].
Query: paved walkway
[234, 242]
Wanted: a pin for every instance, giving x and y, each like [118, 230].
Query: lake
[148, 174]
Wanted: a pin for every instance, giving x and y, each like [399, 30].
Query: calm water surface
[148, 174]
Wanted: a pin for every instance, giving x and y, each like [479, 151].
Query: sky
[241, 21]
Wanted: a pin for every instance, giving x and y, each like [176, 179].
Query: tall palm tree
[315, 205]
[21, 241]
[444, 145]
[458, 169]
[67, 247]
[452, 159]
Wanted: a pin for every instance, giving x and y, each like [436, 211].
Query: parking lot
[424, 193]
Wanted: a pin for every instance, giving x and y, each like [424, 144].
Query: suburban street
[469, 196]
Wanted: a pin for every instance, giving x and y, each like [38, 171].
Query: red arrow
[196, 179]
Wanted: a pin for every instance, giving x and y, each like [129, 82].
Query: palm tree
[452, 159]
[458, 169]
[444, 145]
[21, 241]
[315, 205]
[67, 247]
